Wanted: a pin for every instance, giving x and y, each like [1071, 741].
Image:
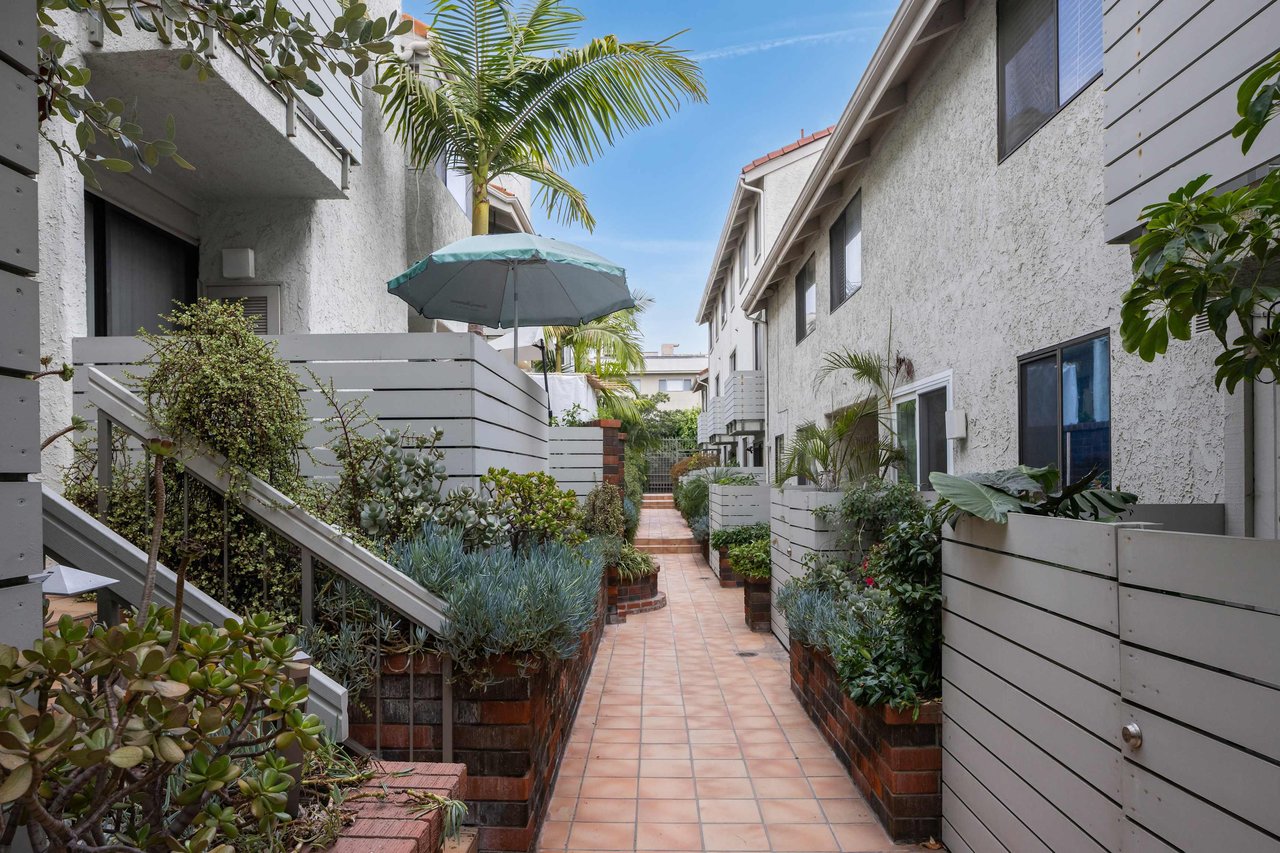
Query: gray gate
[660, 457]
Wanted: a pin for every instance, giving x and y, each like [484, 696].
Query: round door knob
[1131, 734]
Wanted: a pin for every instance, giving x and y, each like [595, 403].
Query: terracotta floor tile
[681, 744]
[734, 836]
[728, 811]
[668, 836]
[668, 811]
[806, 837]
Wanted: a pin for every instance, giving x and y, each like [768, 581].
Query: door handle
[1131, 734]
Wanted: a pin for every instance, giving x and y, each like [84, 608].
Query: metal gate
[659, 458]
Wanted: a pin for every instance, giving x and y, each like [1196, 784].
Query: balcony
[742, 407]
[240, 133]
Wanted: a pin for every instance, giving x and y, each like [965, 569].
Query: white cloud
[731, 51]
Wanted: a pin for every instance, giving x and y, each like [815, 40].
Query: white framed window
[675, 385]
[757, 224]
[920, 424]
[743, 266]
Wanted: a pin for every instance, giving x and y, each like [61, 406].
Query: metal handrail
[316, 540]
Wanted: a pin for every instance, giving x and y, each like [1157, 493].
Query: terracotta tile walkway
[682, 743]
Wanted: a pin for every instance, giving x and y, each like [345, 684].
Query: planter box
[755, 605]
[729, 579]
[510, 733]
[895, 760]
[738, 506]
[641, 596]
[796, 531]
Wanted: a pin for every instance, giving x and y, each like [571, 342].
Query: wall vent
[1200, 325]
[261, 303]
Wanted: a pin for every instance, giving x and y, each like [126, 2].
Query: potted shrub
[752, 561]
[724, 539]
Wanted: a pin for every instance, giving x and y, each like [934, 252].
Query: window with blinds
[846, 252]
[1049, 50]
[806, 300]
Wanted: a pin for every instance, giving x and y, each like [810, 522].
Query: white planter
[796, 532]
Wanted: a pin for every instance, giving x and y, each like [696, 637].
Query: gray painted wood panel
[1184, 820]
[971, 797]
[962, 832]
[20, 320]
[1220, 568]
[21, 613]
[18, 34]
[1160, 59]
[19, 529]
[1051, 540]
[19, 425]
[18, 130]
[19, 217]
[1090, 706]
[984, 753]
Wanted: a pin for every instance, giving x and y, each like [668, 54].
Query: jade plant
[110, 742]
[537, 510]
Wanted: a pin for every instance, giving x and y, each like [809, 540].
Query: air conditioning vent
[261, 303]
[1200, 325]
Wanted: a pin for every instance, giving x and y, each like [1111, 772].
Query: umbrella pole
[515, 299]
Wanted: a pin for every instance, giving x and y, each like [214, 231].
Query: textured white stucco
[978, 262]
[331, 256]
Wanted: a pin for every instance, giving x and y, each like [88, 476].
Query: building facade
[671, 373]
[963, 215]
[732, 419]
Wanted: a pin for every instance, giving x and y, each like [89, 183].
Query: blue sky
[659, 197]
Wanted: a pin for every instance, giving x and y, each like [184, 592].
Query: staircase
[680, 542]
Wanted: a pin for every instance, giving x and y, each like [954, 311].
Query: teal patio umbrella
[501, 280]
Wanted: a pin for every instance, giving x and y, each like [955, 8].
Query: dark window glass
[806, 300]
[758, 334]
[136, 271]
[733, 361]
[1027, 45]
[846, 252]
[932, 419]
[757, 222]
[1065, 410]
[908, 442]
[1038, 410]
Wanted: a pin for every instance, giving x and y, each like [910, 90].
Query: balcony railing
[742, 408]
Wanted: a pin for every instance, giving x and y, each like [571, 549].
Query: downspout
[764, 450]
[742, 182]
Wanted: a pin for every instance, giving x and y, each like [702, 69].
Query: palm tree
[507, 94]
[609, 347]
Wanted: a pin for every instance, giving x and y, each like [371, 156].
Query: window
[1049, 50]
[717, 385]
[134, 271]
[733, 296]
[724, 313]
[778, 443]
[1064, 408]
[733, 361]
[806, 301]
[757, 221]
[743, 267]
[921, 423]
[846, 252]
[757, 340]
[675, 384]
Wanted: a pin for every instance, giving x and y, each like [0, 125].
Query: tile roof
[420, 28]
[787, 149]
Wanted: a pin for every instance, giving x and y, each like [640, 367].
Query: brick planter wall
[729, 579]
[640, 596]
[384, 818]
[614, 438]
[755, 604]
[511, 733]
[895, 761]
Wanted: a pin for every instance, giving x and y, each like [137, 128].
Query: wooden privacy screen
[491, 413]
[1060, 633]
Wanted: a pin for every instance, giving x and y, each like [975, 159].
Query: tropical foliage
[858, 442]
[752, 559]
[288, 50]
[110, 741]
[1214, 253]
[865, 511]
[727, 536]
[1034, 491]
[506, 92]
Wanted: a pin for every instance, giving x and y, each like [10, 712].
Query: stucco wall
[978, 262]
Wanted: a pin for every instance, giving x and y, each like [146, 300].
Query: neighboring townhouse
[674, 374]
[976, 197]
[733, 409]
[304, 210]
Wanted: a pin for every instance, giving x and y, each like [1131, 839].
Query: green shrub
[214, 382]
[632, 515]
[630, 563]
[865, 511]
[537, 511]
[533, 604]
[691, 463]
[147, 750]
[603, 514]
[635, 473]
[726, 536]
[736, 478]
[700, 528]
[752, 559]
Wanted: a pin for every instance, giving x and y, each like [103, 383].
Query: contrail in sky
[771, 44]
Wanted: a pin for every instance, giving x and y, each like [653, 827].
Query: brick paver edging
[384, 818]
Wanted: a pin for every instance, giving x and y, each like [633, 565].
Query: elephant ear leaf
[975, 498]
